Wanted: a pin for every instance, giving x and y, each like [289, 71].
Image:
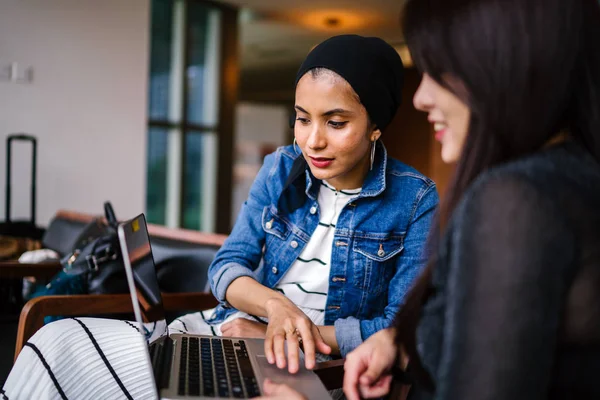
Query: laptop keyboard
[216, 368]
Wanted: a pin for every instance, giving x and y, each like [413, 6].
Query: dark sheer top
[515, 309]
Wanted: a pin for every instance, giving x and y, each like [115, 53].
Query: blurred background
[169, 106]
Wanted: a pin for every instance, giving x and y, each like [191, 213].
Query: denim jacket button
[381, 253]
[313, 209]
[269, 224]
[294, 244]
[274, 270]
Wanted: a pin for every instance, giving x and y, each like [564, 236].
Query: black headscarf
[373, 69]
[371, 66]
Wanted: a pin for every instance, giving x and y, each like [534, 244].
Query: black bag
[95, 266]
[98, 259]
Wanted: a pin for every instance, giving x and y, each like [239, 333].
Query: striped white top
[306, 283]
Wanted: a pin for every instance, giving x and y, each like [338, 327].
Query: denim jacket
[378, 246]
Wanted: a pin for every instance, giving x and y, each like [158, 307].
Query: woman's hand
[367, 368]
[276, 391]
[288, 322]
[242, 327]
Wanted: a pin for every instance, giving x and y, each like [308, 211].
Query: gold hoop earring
[373, 153]
[296, 146]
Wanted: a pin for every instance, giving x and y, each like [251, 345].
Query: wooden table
[15, 269]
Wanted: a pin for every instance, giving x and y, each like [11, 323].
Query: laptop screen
[139, 251]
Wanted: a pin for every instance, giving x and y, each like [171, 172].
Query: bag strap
[111, 218]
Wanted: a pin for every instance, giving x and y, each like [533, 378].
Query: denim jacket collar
[374, 183]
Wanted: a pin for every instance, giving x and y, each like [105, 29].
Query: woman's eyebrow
[297, 107]
[338, 111]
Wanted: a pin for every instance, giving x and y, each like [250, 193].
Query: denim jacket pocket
[374, 259]
[277, 231]
[273, 224]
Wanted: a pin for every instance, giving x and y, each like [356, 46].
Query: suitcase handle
[9, 140]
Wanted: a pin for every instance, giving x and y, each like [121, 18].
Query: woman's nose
[316, 139]
[422, 100]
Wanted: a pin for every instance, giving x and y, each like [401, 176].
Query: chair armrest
[33, 313]
[331, 373]
[188, 301]
[15, 269]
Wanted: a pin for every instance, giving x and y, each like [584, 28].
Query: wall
[260, 129]
[86, 104]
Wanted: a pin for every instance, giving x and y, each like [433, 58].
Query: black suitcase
[21, 229]
[11, 299]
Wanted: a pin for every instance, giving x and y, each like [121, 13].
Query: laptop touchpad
[304, 381]
[282, 375]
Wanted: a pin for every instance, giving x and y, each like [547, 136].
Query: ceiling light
[342, 20]
[332, 22]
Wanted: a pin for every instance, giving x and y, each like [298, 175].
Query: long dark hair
[528, 69]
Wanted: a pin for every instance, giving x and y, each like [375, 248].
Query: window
[187, 145]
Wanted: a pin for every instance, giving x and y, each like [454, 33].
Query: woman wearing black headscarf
[342, 224]
[323, 250]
